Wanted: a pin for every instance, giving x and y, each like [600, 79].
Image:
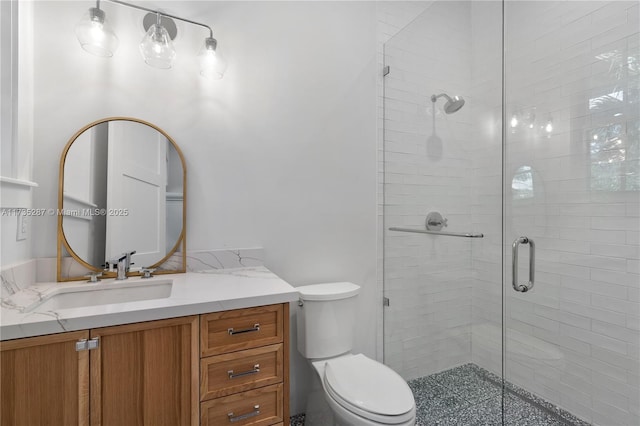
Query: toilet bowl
[361, 391]
[350, 389]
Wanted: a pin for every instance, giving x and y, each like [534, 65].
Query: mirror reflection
[123, 191]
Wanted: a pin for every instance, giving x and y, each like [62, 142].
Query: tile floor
[471, 396]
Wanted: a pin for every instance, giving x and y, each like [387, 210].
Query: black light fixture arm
[135, 6]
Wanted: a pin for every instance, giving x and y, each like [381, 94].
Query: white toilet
[350, 389]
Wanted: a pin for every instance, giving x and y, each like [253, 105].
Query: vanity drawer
[240, 371]
[230, 331]
[258, 407]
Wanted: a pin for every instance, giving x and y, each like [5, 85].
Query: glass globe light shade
[95, 35]
[157, 48]
[212, 63]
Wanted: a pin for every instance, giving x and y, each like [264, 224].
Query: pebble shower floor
[472, 396]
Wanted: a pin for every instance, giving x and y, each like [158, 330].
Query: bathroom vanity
[215, 351]
[208, 348]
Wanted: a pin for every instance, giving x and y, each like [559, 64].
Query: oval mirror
[122, 189]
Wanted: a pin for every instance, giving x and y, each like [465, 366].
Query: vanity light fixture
[212, 64]
[156, 46]
[96, 37]
[94, 33]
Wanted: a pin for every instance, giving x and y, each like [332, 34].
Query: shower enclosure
[521, 302]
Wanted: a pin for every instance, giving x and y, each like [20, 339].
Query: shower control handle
[435, 221]
[523, 288]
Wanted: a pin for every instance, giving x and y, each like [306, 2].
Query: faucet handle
[435, 221]
[93, 277]
[126, 257]
[146, 272]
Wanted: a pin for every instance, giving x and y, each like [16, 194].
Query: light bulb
[94, 34]
[212, 63]
[157, 48]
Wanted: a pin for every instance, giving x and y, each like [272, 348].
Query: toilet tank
[326, 319]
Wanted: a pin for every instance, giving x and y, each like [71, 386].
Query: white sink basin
[102, 294]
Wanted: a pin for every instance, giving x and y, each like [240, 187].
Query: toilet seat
[355, 381]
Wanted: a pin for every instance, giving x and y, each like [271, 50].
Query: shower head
[452, 105]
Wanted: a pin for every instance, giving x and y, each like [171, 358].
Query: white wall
[16, 128]
[280, 153]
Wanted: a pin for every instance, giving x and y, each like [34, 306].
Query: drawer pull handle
[255, 412]
[256, 327]
[232, 375]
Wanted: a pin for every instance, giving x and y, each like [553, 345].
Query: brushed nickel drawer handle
[256, 327]
[255, 412]
[232, 375]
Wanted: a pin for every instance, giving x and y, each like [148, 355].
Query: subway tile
[626, 362]
[615, 305]
[596, 262]
[619, 223]
[596, 287]
[613, 250]
[606, 414]
[594, 235]
[615, 331]
[595, 339]
[615, 277]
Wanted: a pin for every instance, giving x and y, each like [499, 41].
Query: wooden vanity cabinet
[145, 374]
[44, 381]
[227, 367]
[244, 374]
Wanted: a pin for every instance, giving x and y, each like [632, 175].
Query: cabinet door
[146, 374]
[44, 380]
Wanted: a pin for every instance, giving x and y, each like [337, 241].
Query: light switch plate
[23, 227]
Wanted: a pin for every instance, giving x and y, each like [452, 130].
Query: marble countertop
[192, 293]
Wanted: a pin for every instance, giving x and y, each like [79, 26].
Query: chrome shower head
[452, 105]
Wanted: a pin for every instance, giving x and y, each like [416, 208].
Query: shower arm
[434, 98]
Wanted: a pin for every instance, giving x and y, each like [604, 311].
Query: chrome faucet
[123, 265]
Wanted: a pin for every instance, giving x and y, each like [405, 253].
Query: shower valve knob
[435, 221]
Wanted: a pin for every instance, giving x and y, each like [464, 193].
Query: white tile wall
[428, 279]
[587, 244]
[392, 16]
[582, 318]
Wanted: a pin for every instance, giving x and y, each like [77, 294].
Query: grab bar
[523, 288]
[426, 231]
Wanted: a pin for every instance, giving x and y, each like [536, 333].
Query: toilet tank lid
[328, 291]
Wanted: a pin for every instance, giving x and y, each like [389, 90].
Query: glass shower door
[538, 321]
[571, 212]
[442, 171]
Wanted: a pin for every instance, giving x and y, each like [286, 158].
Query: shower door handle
[523, 288]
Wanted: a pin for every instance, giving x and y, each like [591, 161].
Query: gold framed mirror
[122, 188]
